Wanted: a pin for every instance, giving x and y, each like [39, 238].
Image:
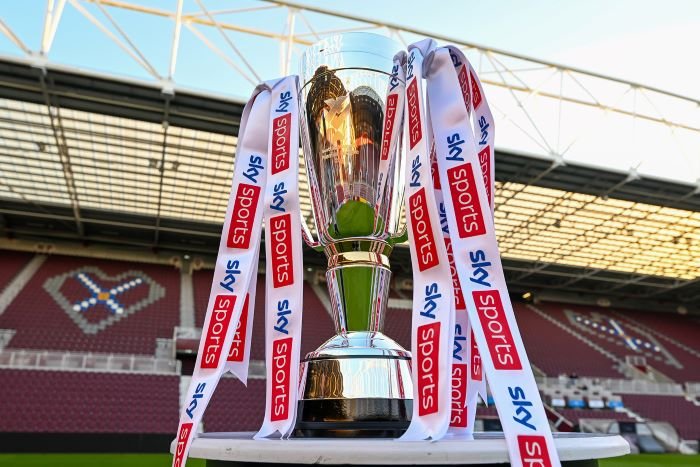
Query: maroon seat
[554, 350]
[12, 264]
[682, 414]
[677, 334]
[87, 402]
[235, 407]
[655, 336]
[397, 325]
[41, 322]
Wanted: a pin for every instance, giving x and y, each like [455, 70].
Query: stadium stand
[12, 264]
[44, 317]
[235, 407]
[575, 415]
[679, 337]
[201, 284]
[603, 334]
[681, 413]
[397, 325]
[681, 329]
[95, 305]
[572, 355]
[88, 402]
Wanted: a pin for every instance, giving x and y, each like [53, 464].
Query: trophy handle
[308, 238]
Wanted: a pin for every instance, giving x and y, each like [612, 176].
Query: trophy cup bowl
[358, 383]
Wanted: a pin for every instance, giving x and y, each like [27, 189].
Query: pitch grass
[91, 460]
[143, 460]
[652, 460]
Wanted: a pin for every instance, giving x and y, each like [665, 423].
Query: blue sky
[650, 42]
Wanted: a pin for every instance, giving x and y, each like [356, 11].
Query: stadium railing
[620, 386]
[79, 361]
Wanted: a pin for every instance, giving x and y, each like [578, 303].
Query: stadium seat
[682, 414]
[12, 264]
[43, 316]
[88, 402]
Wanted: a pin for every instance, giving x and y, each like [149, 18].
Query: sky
[649, 42]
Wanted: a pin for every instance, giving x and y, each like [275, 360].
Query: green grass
[91, 460]
[139, 460]
[652, 460]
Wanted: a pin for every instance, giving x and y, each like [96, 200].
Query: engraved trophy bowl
[358, 383]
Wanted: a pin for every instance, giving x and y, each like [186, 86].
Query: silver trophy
[358, 383]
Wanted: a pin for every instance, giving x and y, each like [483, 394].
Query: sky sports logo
[281, 376]
[281, 249]
[281, 135]
[415, 132]
[238, 344]
[475, 91]
[458, 417]
[464, 86]
[421, 228]
[476, 370]
[499, 338]
[182, 437]
[391, 102]
[460, 305]
[485, 163]
[243, 216]
[216, 331]
[428, 372]
[533, 451]
[465, 199]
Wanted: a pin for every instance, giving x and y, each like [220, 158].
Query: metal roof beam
[63, 153]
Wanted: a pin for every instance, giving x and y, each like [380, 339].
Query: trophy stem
[358, 283]
[358, 383]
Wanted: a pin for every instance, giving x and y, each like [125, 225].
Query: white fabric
[265, 173]
[475, 248]
[283, 250]
[433, 316]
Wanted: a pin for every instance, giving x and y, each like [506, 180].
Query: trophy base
[357, 384]
[353, 418]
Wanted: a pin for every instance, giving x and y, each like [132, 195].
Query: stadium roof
[147, 164]
[93, 159]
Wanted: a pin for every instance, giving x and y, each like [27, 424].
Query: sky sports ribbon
[392, 123]
[478, 263]
[229, 317]
[433, 318]
[284, 269]
[466, 353]
[463, 377]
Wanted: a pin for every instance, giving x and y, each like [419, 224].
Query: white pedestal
[575, 449]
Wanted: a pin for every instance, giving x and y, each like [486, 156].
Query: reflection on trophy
[358, 383]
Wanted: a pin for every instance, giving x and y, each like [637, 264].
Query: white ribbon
[283, 250]
[266, 171]
[476, 383]
[235, 270]
[433, 317]
[475, 249]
